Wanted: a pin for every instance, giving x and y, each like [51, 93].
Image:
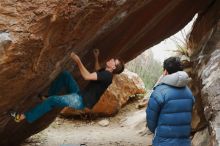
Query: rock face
[36, 38]
[205, 43]
[118, 93]
[201, 138]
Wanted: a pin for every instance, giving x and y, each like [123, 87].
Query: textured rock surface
[201, 138]
[118, 93]
[36, 38]
[205, 41]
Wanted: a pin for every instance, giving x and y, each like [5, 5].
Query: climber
[75, 98]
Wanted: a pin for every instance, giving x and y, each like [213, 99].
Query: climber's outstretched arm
[84, 72]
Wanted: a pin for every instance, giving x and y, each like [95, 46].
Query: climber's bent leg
[71, 100]
[63, 80]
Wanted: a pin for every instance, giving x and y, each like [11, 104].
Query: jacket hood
[178, 79]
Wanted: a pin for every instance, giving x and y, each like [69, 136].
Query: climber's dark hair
[119, 67]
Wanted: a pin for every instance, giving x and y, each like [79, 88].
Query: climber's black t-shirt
[94, 90]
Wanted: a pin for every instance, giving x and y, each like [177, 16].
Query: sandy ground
[127, 128]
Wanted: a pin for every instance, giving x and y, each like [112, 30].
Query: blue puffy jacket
[169, 111]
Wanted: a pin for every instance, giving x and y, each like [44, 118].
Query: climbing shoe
[15, 115]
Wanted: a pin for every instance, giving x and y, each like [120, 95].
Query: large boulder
[123, 87]
[37, 36]
[205, 48]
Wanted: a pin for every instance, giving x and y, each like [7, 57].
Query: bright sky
[165, 48]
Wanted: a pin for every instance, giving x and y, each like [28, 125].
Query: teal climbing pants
[72, 99]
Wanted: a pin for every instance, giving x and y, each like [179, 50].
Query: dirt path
[125, 129]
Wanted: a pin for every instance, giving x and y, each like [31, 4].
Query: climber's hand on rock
[75, 57]
[96, 52]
